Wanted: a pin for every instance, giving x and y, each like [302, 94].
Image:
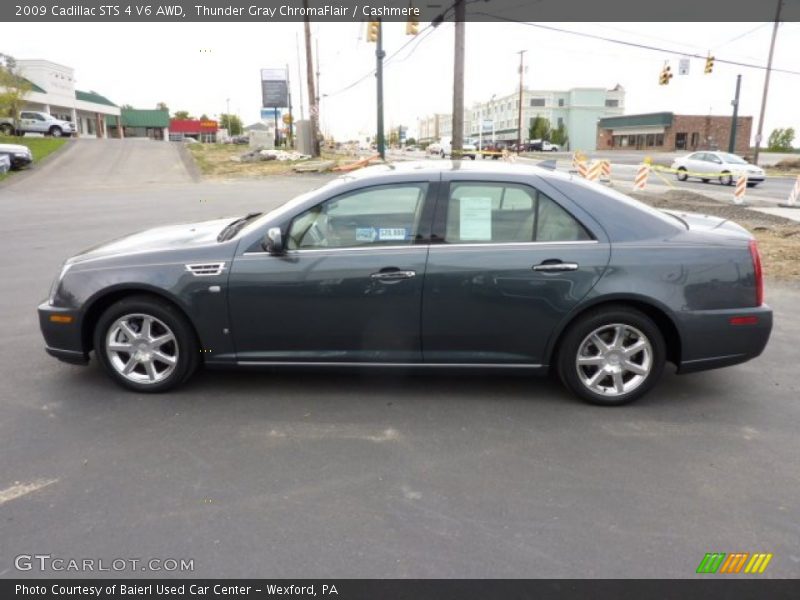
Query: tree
[126, 107]
[232, 123]
[204, 117]
[13, 88]
[780, 140]
[162, 106]
[411, 142]
[181, 114]
[559, 135]
[539, 129]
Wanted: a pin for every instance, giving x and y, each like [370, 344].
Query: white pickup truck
[444, 148]
[37, 122]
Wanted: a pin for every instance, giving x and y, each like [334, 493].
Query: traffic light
[372, 31]
[412, 26]
[709, 65]
[666, 75]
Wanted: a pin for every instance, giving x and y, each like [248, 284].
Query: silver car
[708, 165]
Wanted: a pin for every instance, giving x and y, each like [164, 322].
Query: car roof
[429, 167]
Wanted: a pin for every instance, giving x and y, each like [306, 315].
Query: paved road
[288, 474]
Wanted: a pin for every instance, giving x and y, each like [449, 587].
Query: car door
[348, 287]
[508, 264]
[695, 163]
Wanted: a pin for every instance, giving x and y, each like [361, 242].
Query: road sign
[274, 88]
[683, 66]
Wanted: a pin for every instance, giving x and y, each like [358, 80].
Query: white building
[53, 91]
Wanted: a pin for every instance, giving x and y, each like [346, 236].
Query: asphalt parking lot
[352, 474]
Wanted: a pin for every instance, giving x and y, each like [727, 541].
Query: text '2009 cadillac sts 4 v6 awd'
[451, 264]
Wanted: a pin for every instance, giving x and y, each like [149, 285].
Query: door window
[507, 213]
[378, 216]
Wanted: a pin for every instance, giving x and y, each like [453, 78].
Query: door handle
[555, 267]
[393, 275]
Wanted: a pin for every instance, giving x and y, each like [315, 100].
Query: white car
[18, 156]
[444, 149]
[708, 165]
[31, 121]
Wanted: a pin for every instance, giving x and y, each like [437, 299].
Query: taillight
[759, 274]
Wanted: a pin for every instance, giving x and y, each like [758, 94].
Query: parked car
[725, 167]
[420, 264]
[18, 156]
[444, 149]
[542, 146]
[36, 122]
[5, 164]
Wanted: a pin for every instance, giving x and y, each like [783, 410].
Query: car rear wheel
[6, 129]
[611, 356]
[726, 179]
[146, 344]
[682, 175]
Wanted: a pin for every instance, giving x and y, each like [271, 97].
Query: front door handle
[393, 275]
[551, 266]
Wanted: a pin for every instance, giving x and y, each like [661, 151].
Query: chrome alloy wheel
[142, 348]
[614, 359]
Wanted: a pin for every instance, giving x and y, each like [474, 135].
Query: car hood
[701, 222]
[170, 237]
[14, 148]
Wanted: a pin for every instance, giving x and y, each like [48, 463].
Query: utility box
[262, 139]
[303, 137]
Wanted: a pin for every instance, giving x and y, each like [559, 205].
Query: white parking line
[22, 489]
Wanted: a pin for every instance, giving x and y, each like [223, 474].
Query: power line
[640, 46]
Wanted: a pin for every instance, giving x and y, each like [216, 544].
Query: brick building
[668, 132]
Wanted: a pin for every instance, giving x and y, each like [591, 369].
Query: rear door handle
[393, 275]
[555, 267]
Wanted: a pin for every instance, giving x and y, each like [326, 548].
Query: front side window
[507, 213]
[378, 216]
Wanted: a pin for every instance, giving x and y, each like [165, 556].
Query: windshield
[732, 158]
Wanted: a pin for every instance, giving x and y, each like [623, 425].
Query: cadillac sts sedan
[432, 264]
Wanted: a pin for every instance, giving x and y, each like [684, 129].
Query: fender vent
[206, 269]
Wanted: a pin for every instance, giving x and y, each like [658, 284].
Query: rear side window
[496, 213]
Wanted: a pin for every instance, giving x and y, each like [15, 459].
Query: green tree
[411, 142]
[781, 140]
[539, 129]
[126, 107]
[232, 123]
[13, 87]
[181, 114]
[559, 135]
[162, 106]
[204, 117]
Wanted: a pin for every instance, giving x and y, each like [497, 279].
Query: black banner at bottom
[403, 589]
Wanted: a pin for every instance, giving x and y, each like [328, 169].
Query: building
[577, 110]
[149, 123]
[203, 130]
[53, 91]
[666, 131]
[431, 129]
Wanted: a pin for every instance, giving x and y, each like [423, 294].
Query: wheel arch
[659, 313]
[98, 304]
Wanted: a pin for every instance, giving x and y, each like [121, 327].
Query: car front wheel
[56, 132]
[146, 344]
[682, 175]
[611, 356]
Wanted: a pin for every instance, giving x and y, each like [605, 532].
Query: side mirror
[273, 242]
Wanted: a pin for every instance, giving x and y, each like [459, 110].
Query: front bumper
[63, 339]
[711, 339]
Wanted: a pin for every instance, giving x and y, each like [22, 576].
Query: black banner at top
[395, 10]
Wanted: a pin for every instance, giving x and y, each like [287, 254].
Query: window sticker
[365, 234]
[475, 218]
[392, 233]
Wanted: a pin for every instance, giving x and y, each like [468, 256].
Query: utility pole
[319, 105]
[299, 76]
[766, 82]
[457, 140]
[732, 141]
[291, 118]
[312, 94]
[521, 74]
[379, 55]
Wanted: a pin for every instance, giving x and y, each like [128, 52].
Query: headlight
[54, 288]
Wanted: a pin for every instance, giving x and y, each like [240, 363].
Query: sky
[199, 66]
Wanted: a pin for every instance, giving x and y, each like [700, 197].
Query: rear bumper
[62, 340]
[710, 339]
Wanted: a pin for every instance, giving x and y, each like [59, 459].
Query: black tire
[576, 335]
[6, 129]
[705, 180]
[752, 183]
[187, 347]
[56, 131]
[726, 178]
[681, 174]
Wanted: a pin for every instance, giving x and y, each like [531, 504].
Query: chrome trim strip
[252, 363]
[508, 244]
[353, 249]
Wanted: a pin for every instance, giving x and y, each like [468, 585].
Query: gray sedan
[450, 264]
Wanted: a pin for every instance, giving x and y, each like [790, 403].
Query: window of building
[537, 101]
[651, 140]
[612, 102]
[561, 102]
[680, 141]
[659, 139]
[560, 122]
[695, 139]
